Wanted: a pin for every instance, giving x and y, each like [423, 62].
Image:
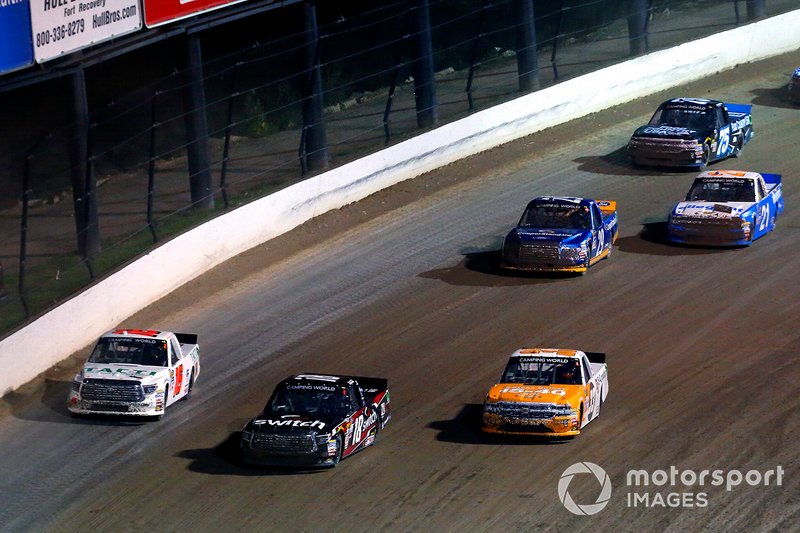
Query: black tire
[580, 417]
[191, 385]
[600, 403]
[706, 154]
[377, 429]
[737, 150]
[588, 259]
[339, 447]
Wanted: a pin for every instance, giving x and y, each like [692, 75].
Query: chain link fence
[255, 96]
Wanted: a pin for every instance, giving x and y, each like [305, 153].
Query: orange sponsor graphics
[143, 332]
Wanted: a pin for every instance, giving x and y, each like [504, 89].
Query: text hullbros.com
[685, 488]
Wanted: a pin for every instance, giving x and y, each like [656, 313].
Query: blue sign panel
[16, 45]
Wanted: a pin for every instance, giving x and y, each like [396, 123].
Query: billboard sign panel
[15, 35]
[158, 12]
[63, 26]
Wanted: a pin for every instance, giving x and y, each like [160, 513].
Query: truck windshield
[132, 351]
[542, 373]
[683, 118]
[722, 190]
[556, 216]
[322, 402]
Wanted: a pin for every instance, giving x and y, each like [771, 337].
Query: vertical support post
[84, 202]
[756, 10]
[559, 27]
[23, 230]
[314, 143]
[398, 63]
[527, 55]
[151, 167]
[233, 92]
[424, 81]
[473, 64]
[637, 27]
[736, 10]
[194, 102]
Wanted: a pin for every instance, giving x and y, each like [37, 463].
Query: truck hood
[514, 392]
[712, 209]
[269, 423]
[552, 236]
[145, 374]
[668, 132]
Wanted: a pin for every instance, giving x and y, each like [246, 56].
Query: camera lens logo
[602, 499]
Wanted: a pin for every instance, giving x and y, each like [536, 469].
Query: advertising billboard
[16, 50]
[63, 26]
[158, 12]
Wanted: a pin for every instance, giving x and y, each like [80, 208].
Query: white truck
[136, 372]
[727, 208]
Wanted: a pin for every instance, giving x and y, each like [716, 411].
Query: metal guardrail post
[527, 55]
[313, 145]
[554, 51]
[424, 80]
[474, 63]
[194, 95]
[395, 73]
[226, 148]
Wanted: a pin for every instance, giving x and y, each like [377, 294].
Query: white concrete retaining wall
[79, 321]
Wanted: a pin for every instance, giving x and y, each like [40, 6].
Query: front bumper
[558, 426]
[707, 235]
[667, 154]
[145, 408]
[533, 257]
[292, 449]
[254, 457]
[542, 267]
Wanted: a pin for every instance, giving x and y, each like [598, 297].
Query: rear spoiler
[607, 206]
[771, 178]
[739, 108]
[596, 357]
[186, 338]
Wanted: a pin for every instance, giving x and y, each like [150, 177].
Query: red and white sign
[158, 12]
[63, 26]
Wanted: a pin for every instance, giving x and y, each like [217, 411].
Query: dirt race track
[702, 351]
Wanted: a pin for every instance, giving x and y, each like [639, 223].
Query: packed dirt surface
[701, 347]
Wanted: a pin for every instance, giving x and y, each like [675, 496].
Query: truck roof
[317, 379]
[139, 333]
[736, 174]
[546, 352]
[692, 101]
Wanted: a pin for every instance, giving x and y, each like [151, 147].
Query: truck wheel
[339, 447]
[588, 260]
[191, 385]
[737, 150]
[377, 429]
[706, 155]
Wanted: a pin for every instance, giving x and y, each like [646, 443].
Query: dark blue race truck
[561, 234]
[691, 132]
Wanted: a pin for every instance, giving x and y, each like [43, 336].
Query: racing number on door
[178, 380]
[763, 214]
[724, 140]
[358, 429]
